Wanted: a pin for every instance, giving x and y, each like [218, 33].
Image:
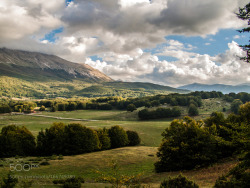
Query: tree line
[130, 104]
[63, 139]
[146, 114]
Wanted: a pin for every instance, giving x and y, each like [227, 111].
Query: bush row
[68, 139]
[159, 113]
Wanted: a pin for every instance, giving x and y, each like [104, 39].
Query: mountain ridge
[217, 87]
[29, 65]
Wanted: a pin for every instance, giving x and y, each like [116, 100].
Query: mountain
[217, 87]
[42, 67]
[37, 75]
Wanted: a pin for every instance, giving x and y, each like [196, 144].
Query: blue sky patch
[51, 36]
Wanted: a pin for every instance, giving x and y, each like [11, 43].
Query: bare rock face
[23, 64]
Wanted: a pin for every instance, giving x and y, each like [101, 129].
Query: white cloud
[24, 18]
[224, 68]
[117, 31]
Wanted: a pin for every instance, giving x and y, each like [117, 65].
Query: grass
[133, 160]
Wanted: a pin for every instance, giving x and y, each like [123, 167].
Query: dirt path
[54, 117]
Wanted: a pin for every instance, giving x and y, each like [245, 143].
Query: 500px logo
[23, 167]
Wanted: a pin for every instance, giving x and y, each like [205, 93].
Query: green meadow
[132, 160]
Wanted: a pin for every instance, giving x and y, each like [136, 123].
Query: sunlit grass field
[133, 160]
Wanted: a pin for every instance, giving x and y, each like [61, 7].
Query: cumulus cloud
[224, 68]
[118, 31]
[19, 19]
[122, 26]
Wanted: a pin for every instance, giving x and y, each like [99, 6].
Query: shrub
[133, 138]
[60, 157]
[118, 137]
[8, 182]
[193, 110]
[74, 182]
[186, 145]
[26, 184]
[45, 163]
[178, 182]
[42, 108]
[239, 176]
[53, 157]
[131, 107]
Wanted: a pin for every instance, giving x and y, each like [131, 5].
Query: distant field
[133, 160]
[150, 131]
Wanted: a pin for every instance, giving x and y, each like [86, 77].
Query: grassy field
[133, 160]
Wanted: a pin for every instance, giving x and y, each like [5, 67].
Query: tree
[105, 142]
[173, 102]
[244, 14]
[80, 139]
[118, 137]
[144, 114]
[54, 108]
[235, 106]
[216, 118]
[16, 140]
[185, 145]
[5, 109]
[176, 112]
[62, 106]
[244, 112]
[133, 138]
[71, 106]
[193, 110]
[131, 107]
[52, 140]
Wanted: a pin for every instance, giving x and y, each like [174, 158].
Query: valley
[132, 160]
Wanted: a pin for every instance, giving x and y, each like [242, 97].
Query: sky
[167, 42]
